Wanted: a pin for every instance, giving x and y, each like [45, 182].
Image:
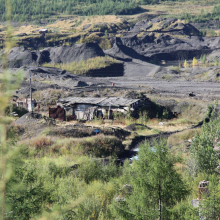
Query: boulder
[75, 53]
[19, 56]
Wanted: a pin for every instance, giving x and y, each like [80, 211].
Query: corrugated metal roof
[43, 30]
[113, 101]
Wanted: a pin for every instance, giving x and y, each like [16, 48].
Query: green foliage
[165, 114]
[153, 179]
[184, 210]
[105, 44]
[216, 61]
[203, 58]
[143, 117]
[101, 146]
[94, 170]
[26, 194]
[14, 108]
[23, 10]
[176, 68]
[203, 154]
[98, 146]
[210, 205]
[204, 17]
[212, 32]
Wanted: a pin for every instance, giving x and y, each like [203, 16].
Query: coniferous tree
[205, 148]
[210, 204]
[156, 186]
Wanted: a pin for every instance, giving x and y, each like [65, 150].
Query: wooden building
[87, 108]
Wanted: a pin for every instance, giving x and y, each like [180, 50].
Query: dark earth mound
[68, 54]
[20, 56]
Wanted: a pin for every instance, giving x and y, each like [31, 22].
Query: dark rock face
[122, 52]
[115, 69]
[19, 56]
[75, 53]
[162, 39]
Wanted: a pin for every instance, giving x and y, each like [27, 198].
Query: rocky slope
[147, 42]
[163, 39]
[20, 56]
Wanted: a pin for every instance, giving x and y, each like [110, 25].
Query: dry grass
[179, 138]
[98, 146]
[177, 8]
[68, 24]
[99, 19]
[168, 126]
[83, 67]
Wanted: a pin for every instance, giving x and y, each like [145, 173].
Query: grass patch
[178, 138]
[98, 146]
[175, 68]
[83, 67]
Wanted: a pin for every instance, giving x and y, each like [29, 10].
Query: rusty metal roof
[108, 101]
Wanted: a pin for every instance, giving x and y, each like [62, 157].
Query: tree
[156, 186]
[216, 61]
[194, 63]
[186, 64]
[205, 148]
[203, 58]
[210, 205]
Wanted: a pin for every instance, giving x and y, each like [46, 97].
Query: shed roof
[43, 30]
[108, 101]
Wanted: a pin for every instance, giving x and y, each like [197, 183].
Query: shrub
[82, 67]
[38, 146]
[42, 143]
[175, 68]
[93, 170]
[216, 61]
[14, 108]
[98, 146]
[105, 44]
[203, 58]
[101, 146]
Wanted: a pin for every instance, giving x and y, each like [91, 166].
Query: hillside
[124, 122]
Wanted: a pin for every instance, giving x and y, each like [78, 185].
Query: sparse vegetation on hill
[203, 16]
[85, 170]
[84, 67]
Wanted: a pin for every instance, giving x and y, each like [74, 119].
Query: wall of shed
[79, 111]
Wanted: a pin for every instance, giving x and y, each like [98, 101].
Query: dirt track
[201, 90]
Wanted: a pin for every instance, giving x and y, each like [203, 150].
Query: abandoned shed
[88, 108]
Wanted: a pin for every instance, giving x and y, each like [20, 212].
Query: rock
[122, 52]
[20, 56]
[86, 26]
[22, 34]
[167, 22]
[131, 127]
[75, 53]
[191, 94]
[211, 56]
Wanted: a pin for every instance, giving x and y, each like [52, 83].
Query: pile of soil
[20, 56]
[33, 124]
